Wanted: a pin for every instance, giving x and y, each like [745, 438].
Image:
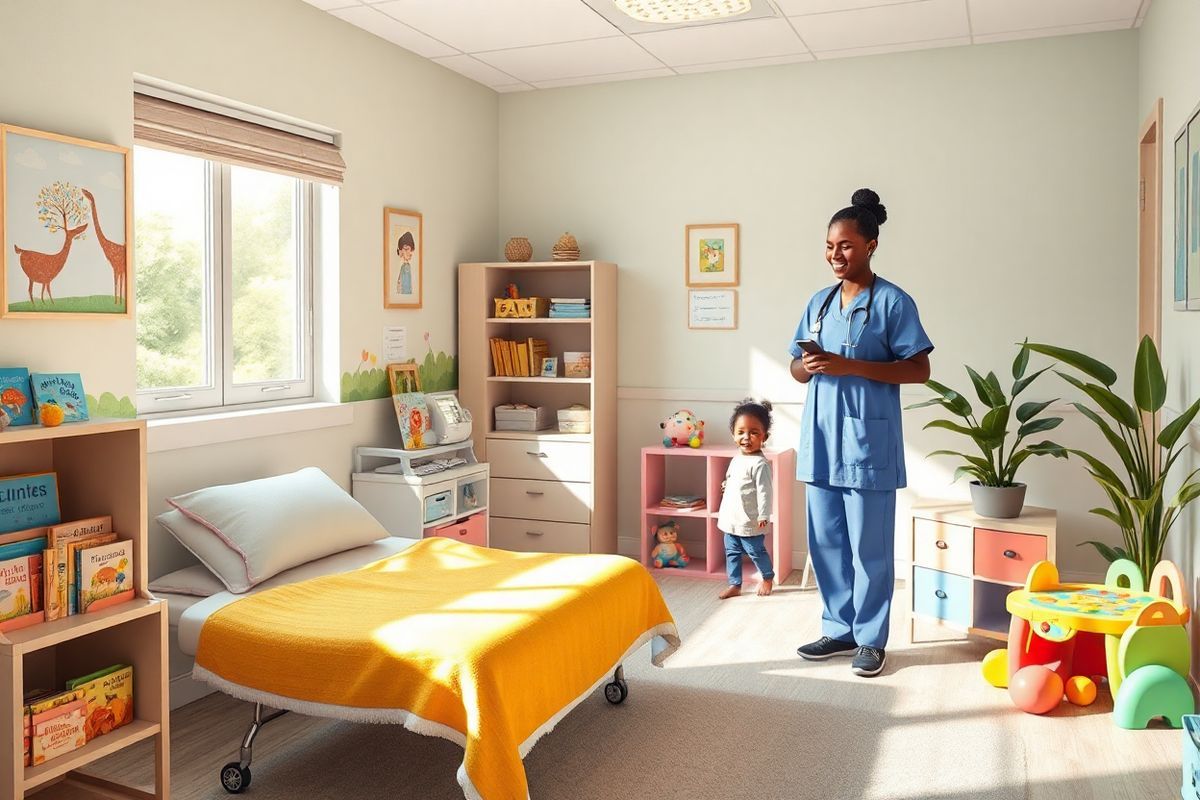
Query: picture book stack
[570, 308]
[682, 502]
[88, 568]
[59, 721]
[50, 398]
[518, 359]
[28, 504]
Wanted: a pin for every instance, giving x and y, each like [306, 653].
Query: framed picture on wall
[66, 216]
[403, 378]
[711, 254]
[403, 257]
[1193, 213]
[1181, 220]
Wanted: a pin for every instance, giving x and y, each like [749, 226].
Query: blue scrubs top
[851, 434]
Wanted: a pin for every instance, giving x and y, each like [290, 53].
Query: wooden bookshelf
[550, 491]
[101, 469]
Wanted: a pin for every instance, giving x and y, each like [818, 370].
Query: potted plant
[1136, 486]
[994, 490]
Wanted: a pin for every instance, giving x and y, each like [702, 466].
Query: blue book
[15, 395]
[63, 388]
[28, 547]
[28, 501]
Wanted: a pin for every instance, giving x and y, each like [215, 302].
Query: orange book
[523, 359]
[506, 356]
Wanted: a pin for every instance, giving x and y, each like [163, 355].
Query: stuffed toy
[668, 552]
[682, 429]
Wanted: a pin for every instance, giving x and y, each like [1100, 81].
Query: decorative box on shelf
[522, 417]
[575, 419]
[521, 307]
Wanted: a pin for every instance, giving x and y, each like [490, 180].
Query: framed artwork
[711, 254]
[1181, 220]
[403, 378]
[1193, 213]
[712, 309]
[66, 216]
[550, 367]
[403, 256]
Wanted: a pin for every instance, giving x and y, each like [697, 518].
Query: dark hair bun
[865, 198]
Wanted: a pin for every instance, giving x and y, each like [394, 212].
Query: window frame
[219, 392]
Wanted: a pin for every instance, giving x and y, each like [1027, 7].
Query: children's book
[412, 414]
[59, 536]
[74, 549]
[39, 701]
[109, 697]
[59, 731]
[16, 588]
[62, 388]
[105, 575]
[28, 501]
[15, 395]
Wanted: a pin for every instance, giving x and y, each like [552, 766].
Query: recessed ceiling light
[675, 11]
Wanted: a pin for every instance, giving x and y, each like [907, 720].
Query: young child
[746, 499]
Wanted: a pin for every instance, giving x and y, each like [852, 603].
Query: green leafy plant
[998, 460]
[1138, 499]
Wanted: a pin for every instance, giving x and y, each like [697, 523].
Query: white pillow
[248, 532]
[195, 581]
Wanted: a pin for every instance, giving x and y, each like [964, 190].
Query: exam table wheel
[235, 778]
[616, 692]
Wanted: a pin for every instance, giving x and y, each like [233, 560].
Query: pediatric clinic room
[591, 399]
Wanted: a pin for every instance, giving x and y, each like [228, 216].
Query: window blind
[182, 128]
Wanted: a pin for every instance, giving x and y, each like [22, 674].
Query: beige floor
[734, 714]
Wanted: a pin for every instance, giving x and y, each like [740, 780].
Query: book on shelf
[17, 586]
[64, 389]
[682, 501]
[518, 359]
[108, 695]
[16, 398]
[58, 731]
[59, 538]
[105, 575]
[28, 501]
[38, 704]
[74, 550]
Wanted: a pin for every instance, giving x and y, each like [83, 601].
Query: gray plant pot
[999, 502]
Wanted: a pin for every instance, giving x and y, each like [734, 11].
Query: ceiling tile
[794, 8]
[872, 27]
[661, 72]
[1039, 33]
[726, 41]
[999, 16]
[395, 32]
[327, 5]
[476, 25]
[572, 60]
[745, 63]
[476, 70]
[903, 47]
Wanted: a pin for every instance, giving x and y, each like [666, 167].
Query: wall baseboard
[184, 690]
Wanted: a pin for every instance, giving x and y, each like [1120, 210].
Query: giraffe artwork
[66, 227]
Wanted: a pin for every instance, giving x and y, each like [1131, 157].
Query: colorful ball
[995, 668]
[1036, 689]
[1081, 690]
[50, 415]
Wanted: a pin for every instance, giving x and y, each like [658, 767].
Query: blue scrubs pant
[852, 539]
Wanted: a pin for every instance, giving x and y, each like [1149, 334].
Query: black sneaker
[869, 661]
[825, 647]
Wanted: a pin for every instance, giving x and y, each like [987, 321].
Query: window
[224, 283]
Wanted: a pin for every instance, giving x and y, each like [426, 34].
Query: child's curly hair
[759, 409]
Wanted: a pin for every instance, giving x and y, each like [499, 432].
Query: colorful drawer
[965, 565]
[472, 530]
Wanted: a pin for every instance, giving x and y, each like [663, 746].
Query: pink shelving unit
[699, 471]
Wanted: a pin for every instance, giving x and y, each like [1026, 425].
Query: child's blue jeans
[753, 546]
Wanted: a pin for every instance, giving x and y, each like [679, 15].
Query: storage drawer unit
[541, 460]
[542, 500]
[539, 536]
[472, 530]
[964, 565]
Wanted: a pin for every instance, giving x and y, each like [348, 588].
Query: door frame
[1150, 299]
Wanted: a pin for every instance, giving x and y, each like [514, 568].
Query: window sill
[176, 433]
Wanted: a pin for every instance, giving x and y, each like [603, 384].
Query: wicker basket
[518, 248]
[565, 249]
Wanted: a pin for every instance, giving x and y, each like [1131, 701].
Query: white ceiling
[519, 45]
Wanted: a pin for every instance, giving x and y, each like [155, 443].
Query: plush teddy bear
[682, 429]
[668, 552]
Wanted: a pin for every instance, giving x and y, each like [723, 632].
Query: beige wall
[1169, 67]
[1008, 171]
[414, 135]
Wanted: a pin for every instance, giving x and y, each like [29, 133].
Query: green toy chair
[1154, 657]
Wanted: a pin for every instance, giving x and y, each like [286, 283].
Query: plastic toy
[668, 552]
[682, 429]
[995, 669]
[1081, 691]
[1117, 630]
[51, 414]
[1036, 689]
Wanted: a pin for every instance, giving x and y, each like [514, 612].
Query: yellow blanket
[486, 647]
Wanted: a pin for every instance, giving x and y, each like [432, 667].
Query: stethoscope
[834, 292]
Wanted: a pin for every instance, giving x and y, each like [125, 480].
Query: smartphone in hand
[809, 346]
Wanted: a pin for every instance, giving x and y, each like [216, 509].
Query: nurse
[851, 452]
